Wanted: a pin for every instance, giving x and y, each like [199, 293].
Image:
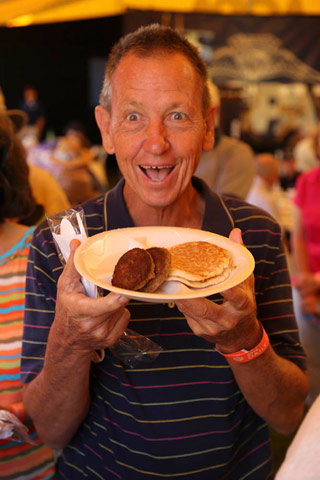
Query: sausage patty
[162, 263]
[133, 269]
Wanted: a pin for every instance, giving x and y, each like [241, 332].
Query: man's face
[156, 127]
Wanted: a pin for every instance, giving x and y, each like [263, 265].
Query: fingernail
[122, 300]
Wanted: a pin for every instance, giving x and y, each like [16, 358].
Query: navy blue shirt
[183, 415]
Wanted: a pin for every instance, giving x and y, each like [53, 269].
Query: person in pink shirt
[306, 253]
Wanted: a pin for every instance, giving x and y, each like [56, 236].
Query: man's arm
[58, 399]
[273, 386]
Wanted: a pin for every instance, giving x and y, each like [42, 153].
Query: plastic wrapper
[66, 226]
[12, 429]
[132, 347]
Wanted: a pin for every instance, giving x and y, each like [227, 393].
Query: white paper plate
[97, 256]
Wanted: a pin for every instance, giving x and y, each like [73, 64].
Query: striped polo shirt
[18, 460]
[182, 415]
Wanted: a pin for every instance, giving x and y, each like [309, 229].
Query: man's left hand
[233, 325]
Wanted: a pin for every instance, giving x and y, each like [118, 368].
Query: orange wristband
[243, 355]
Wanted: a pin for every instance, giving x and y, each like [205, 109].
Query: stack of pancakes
[199, 264]
[196, 264]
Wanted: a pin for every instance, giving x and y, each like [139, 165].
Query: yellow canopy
[26, 12]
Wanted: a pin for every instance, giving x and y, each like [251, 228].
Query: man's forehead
[167, 73]
[156, 62]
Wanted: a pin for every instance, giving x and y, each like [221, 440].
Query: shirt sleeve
[262, 236]
[43, 271]
[274, 297]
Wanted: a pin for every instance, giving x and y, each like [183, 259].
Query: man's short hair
[149, 40]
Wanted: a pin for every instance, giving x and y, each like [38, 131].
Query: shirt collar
[217, 217]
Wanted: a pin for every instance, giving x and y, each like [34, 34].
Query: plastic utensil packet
[132, 347]
[66, 226]
[11, 428]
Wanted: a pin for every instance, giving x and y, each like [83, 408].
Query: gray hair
[145, 42]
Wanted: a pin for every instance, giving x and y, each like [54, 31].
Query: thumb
[70, 278]
[236, 236]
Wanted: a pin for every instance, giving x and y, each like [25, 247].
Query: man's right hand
[84, 323]
[58, 398]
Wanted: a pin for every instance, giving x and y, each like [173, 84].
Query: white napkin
[68, 233]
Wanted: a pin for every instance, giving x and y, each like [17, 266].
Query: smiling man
[230, 364]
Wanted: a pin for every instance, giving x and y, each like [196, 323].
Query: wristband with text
[243, 355]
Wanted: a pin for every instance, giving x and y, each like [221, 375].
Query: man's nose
[156, 141]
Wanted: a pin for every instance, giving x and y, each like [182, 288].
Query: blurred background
[263, 55]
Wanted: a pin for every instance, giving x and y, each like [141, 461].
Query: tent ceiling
[26, 12]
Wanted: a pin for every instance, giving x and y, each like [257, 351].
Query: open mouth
[157, 174]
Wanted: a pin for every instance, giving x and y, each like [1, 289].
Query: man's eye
[133, 117]
[177, 116]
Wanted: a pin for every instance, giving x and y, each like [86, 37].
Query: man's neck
[187, 211]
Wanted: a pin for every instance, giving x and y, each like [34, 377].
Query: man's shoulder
[245, 214]
[95, 214]
[94, 217]
[94, 206]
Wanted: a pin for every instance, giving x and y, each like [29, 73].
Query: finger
[198, 308]
[70, 278]
[119, 327]
[236, 236]
[107, 330]
[239, 293]
[69, 268]
[93, 307]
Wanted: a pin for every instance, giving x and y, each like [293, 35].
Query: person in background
[97, 168]
[18, 117]
[305, 152]
[228, 168]
[288, 173]
[34, 110]
[18, 460]
[263, 193]
[266, 193]
[306, 254]
[72, 163]
[49, 196]
[230, 365]
[47, 191]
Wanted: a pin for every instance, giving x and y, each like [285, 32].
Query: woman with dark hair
[18, 459]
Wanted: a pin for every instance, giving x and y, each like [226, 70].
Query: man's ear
[104, 123]
[208, 140]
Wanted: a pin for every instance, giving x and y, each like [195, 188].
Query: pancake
[199, 264]
[162, 264]
[133, 270]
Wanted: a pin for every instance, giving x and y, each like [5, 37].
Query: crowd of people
[195, 411]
